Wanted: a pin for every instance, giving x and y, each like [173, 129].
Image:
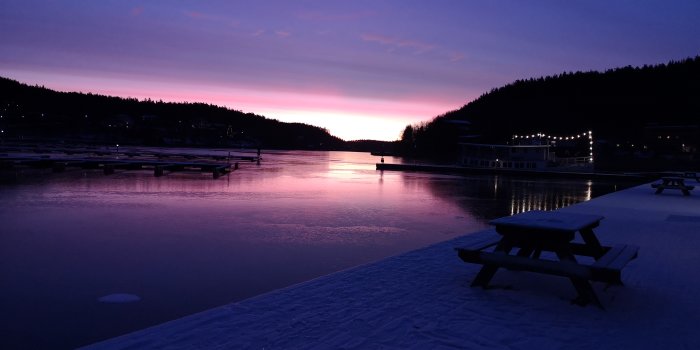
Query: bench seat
[606, 269]
[691, 175]
[514, 262]
[609, 267]
[687, 187]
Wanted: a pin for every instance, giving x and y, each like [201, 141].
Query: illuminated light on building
[542, 135]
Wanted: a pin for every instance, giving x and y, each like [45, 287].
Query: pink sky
[361, 69]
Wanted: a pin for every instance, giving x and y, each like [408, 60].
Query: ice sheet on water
[119, 298]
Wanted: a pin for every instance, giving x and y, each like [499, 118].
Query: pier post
[58, 167]
[108, 169]
[89, 164]
[158, 171]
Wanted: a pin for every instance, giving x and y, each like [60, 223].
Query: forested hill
[619, 105]
[32, 113]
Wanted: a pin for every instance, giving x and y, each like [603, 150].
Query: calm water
[184, 243]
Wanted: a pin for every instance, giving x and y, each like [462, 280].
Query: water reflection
[492, 196]
[184, 242]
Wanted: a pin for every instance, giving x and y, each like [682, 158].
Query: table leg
[486, 273]
[526, 250]
[592, 242]
[536, 254]
[585, 292]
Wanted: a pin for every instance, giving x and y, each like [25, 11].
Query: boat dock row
[462, 170]
[114, 152]
[108, 166]
[161, 163]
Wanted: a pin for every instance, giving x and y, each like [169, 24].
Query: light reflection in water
[489, 197]
[522, 202]
[546, 198]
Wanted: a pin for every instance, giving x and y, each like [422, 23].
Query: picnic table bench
[535, 232]
[691, 175]
[672, 183]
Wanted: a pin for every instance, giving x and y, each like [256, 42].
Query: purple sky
[362, 69]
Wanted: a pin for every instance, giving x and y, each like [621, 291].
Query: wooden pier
[551, 173]
[114, 152]
[161, 163]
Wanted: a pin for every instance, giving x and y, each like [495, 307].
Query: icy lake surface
[162, 248]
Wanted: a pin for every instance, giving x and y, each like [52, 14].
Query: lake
[184, 242]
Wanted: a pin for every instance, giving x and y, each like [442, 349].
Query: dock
[554, 173]
[109, 161]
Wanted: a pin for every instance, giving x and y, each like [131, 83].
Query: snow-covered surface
[119, 298]
[549, 220]
[423, 300]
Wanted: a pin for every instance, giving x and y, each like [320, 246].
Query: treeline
[33, 113]
[621, 106]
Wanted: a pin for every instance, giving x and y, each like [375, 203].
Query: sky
[363, 69]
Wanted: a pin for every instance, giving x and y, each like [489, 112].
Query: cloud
[394, 43]
[282, 33]
[137, 11]
[324, 16]
[258, 33]
[457, 56]
[197, 15]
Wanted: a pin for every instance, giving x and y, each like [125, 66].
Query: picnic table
[672, 183]
[535, 232]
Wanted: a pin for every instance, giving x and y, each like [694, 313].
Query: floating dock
[161, 163]
[461, 170]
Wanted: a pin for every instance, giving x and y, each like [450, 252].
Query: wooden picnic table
[535, 232]
[672, 183]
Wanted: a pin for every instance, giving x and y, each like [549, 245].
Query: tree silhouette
[626, 106]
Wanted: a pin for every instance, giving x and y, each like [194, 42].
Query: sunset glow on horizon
[361, 69]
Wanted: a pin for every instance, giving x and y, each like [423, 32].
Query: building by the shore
[535, 151]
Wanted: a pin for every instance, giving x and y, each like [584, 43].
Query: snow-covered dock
[422, 299]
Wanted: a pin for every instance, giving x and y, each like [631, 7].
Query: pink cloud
[457, 56]
[282, 33]
[137, 11]
[196, 15]
[324, 16]
[393, 42]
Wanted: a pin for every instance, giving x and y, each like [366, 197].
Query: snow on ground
[422, 299]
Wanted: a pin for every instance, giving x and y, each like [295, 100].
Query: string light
[543, 135]
[575, 136]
